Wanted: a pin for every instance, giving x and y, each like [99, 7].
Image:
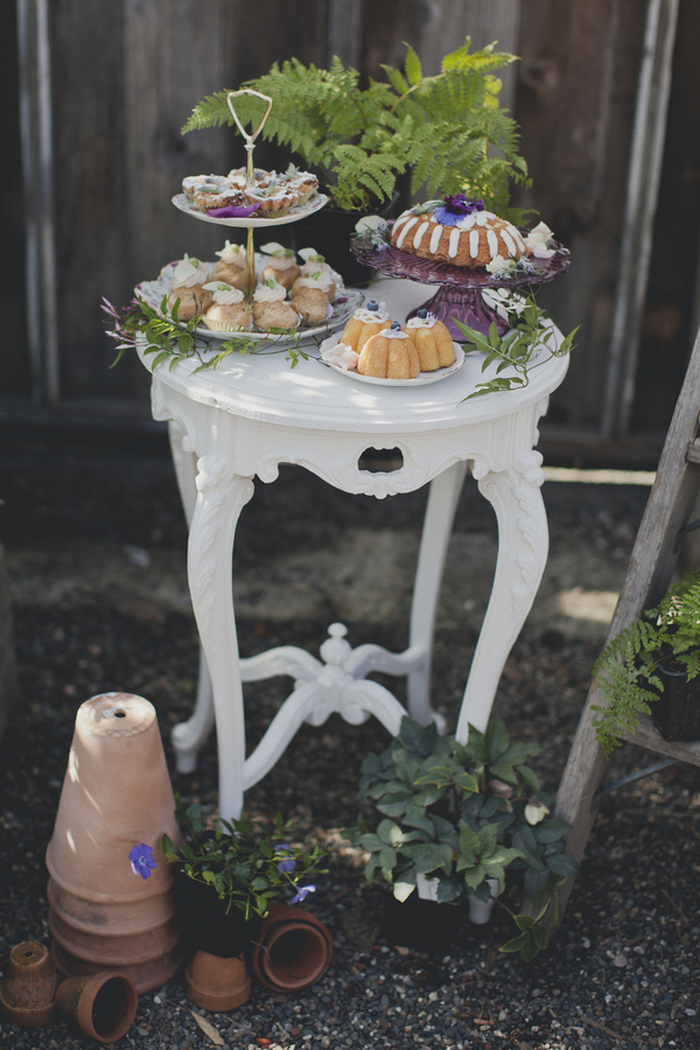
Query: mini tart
[432, 341]
[390, 354]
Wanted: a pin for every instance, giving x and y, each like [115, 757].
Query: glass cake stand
[460, 290]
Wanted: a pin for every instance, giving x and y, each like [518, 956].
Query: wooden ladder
[651, 566]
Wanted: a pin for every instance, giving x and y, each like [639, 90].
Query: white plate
[186, 204]
[346, 301]
[422, 380]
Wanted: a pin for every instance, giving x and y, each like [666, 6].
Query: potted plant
[442, 134]
[463, 815]
[228, 881]
[652, 667]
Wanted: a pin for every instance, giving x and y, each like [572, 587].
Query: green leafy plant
[527, 344]
[627, 668]
[463, 814]
[447, 130]
[161, 333]
[245, 866]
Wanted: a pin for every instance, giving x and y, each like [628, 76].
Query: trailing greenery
[447, 130]
[244, 865]
[463, 814]
[528, 343]
[161, 332]
[627, 667]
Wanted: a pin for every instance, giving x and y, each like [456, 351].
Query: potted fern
[652, 668]
[462, 817]
[444, 133]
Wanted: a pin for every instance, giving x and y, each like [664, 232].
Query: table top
[312, 395]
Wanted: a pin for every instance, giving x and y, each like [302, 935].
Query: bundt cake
[390, 354]
[365, 322]
[432, 341]
[458, 232]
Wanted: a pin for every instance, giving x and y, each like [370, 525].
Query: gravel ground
[622, 971]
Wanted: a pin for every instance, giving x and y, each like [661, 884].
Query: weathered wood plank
[575, 104]
[648, 575]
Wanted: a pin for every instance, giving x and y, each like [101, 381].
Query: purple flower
[287, 863]
[142, 860]
[454, 208]
[232, 211]
[302, 893]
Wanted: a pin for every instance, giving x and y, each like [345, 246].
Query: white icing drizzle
[435, 239]
[420, 233]
[393, 333]
[467, 221]
[322, 284]
[453, 242]
[410, 223]
[422, 322]
[370, 316]
[509, 242]
[474, 244]
[482, 217]
[492, 241]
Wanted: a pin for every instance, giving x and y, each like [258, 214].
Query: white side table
[252, 413]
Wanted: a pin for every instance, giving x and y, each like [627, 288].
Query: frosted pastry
[310, 300]
[270, 310]
[432, 341]
[230, 267]
[366, 321]
[228, 312]
[389, 354]
[187, 285]
[282, 265]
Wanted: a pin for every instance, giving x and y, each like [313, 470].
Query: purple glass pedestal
[459, 293]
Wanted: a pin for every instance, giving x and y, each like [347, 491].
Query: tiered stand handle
[249, 178]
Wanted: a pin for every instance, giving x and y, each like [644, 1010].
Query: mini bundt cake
[458, 232]
[365, 322]
[390, 354]
[432, 341]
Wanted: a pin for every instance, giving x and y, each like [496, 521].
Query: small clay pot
[217, 984]
[294, 949]
[103, 1005]
[27, 993]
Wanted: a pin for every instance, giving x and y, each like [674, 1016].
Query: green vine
[529, 343]
[173, 340]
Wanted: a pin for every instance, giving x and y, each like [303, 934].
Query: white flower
[537, 240]
[499, 264]
[341, 355]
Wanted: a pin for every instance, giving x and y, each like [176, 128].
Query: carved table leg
[221, 496]
[523, 543]
[437, 527]
[188, 737]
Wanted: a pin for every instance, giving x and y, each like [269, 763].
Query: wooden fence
[94, 95]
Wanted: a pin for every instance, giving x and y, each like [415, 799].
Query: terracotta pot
[294, 949]
[116, 794]
[104, 1005]
[27, 993]
[217, 984]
